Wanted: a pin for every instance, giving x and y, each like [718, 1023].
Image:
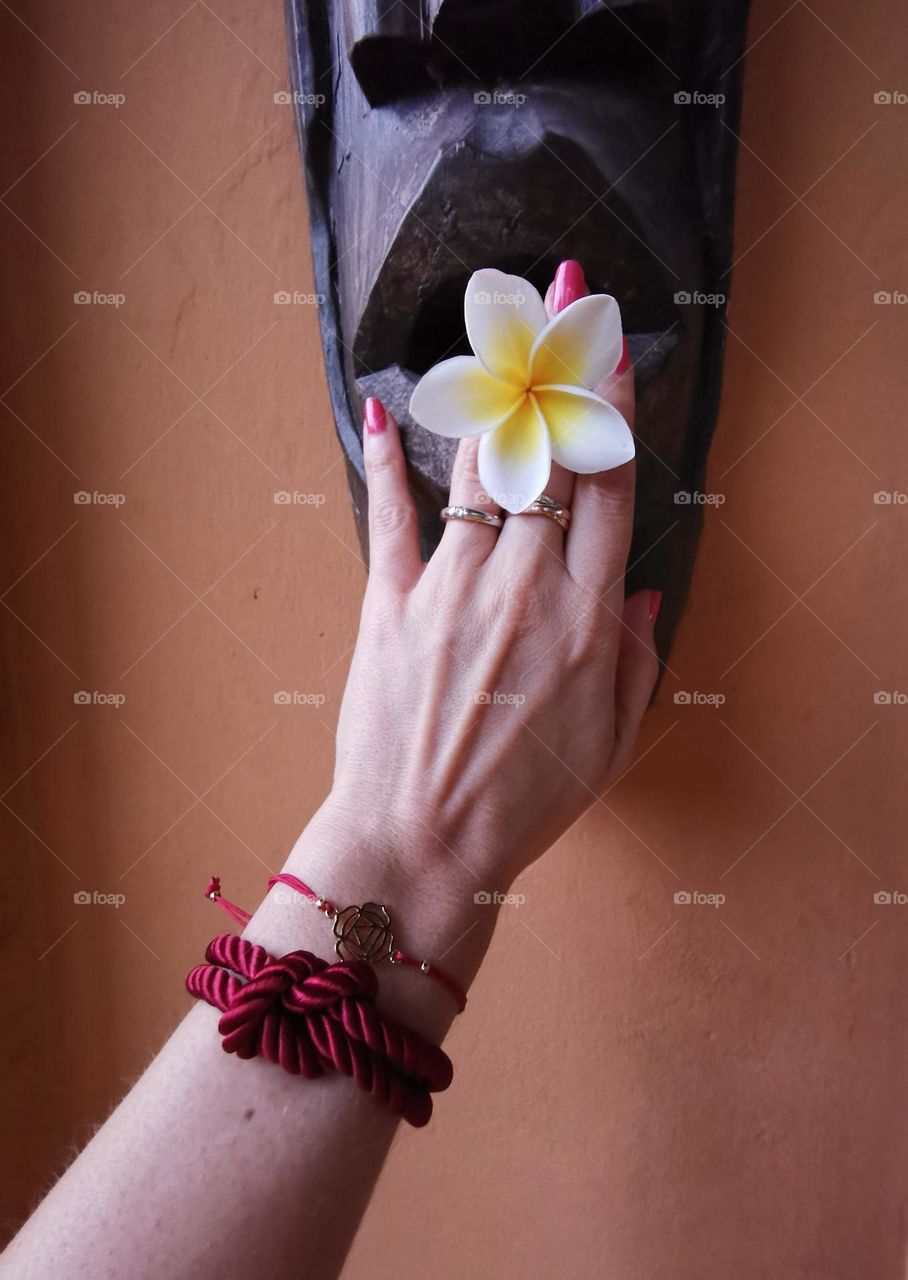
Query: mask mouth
[430, 456]
[438, 331]
[511, 217]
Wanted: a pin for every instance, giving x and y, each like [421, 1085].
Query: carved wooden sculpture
[448, 135]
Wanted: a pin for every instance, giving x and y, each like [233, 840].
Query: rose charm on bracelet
[364, 933]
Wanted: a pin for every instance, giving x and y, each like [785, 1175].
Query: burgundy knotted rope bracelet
[311, 1017]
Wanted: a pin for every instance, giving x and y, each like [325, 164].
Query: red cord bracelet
[362, 933]
[310, 1018]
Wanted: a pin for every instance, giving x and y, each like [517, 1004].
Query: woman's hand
[497, 689]
[493, 692]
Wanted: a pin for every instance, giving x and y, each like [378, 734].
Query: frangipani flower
[529, 389]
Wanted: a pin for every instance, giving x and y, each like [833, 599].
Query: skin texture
[222, 1167]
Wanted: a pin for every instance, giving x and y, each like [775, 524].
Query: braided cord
[312, 1018]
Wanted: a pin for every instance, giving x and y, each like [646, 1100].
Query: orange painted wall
[645, 1089]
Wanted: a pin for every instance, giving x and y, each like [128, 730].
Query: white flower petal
[515, 459]
[581, 345]
[587, 433]
[460, 398]
[504, 316]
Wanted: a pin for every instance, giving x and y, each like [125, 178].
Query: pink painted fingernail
[376, 418]
[625, 362]
[655, 604]
[570, 284]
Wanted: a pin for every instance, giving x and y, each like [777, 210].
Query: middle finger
[521, 533]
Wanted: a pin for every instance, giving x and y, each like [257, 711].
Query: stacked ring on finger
[472, 514]
[546, 506]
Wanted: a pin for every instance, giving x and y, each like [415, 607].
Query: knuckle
[389, 516]
[510, 605]
[379, 463]
[381, 616]
[592, 635]
[469, 488]
[612, 495]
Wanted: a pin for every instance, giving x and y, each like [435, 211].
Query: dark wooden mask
[448, 135]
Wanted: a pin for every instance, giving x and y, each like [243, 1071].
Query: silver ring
[546, 506]
[471, 514]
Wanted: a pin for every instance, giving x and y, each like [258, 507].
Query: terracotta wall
[645, 1088]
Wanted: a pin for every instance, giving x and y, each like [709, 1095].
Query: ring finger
[468, 539]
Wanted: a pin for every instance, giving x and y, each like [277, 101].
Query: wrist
[418, 836]
[430, 896]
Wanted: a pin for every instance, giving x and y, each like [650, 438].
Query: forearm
[213, 1165]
